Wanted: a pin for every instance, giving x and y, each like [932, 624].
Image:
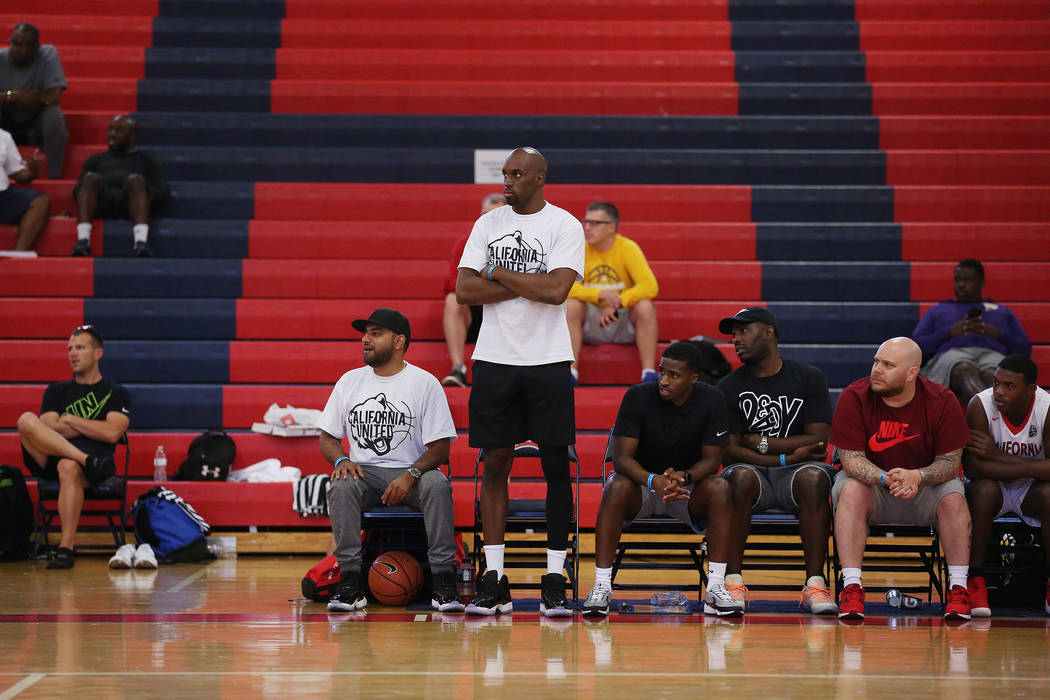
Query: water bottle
[896, 599]
[160, 465]
[466, 586]
[668, 599]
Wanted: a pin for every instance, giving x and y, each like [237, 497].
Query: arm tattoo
[944, 467]
[859, 467]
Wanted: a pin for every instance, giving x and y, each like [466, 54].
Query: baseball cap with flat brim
[387, 318]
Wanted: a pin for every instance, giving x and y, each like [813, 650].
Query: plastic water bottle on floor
[160, 465]
[897, 599]
[466, 585]
[668, 599]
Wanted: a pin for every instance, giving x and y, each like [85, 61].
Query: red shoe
[851, 603]
[977, 589]
[957, 604]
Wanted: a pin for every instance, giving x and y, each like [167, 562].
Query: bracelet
[650, 483]
[922, 476]
[336, 465]
[882, 478]
[491, 268]
[783, 460]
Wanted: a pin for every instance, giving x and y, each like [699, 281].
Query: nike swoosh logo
[995, 419]
[123, 410]
[877, 445]
[721, 433]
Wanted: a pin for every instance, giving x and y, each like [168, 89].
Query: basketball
[395, 578]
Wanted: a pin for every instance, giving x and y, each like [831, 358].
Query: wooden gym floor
[236, 628]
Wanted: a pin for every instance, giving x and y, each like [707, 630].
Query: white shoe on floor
[123, 558]
[144, 557]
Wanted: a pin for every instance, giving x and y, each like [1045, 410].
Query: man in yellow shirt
[613, 303]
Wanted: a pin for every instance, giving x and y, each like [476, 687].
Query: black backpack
[209, 459]
[713, 364]
[16, 515]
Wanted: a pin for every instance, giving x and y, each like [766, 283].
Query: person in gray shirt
[31, 84]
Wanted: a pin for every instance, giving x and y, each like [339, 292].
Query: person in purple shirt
[964, 339]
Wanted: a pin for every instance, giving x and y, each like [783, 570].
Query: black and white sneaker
[63, 559]
[444, 598]
[493, 596]
[456, 377]
[552, 596]
[598, 600]
[348, 597]
[141, 250]
[82, 249]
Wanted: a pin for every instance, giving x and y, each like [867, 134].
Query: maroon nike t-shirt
[911, 436]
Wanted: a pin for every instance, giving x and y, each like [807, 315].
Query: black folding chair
[528, 516]
[397, 527]
[108, 500]
[664, 533]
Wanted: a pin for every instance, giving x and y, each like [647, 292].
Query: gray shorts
[890, 510]
[939, 368]
[620, 331]
[775, 484]
[652, 505]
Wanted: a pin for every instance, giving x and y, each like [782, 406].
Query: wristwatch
[763, 445]
[687, 478]
[414, 473]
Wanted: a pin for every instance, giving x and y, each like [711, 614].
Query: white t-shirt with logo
[389, 420]
[519, 331]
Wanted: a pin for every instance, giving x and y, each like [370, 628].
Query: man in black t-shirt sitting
[73, 439]
[120, 183]
[667, 447]
[779, 421]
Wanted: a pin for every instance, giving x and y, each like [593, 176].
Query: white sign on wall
[488, 165]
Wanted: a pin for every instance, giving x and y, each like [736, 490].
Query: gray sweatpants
[432, 495]
[45, 128]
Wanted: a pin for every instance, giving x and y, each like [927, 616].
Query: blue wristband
[783, 460]
[491, 268]
[336, 465]
[882, 478]
[650, 482]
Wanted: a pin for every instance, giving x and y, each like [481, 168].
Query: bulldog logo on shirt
[513, 252]
[378, 425]
[767, 415]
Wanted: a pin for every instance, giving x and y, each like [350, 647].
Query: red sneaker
[977, 589]
[957, 604]
[851, 603]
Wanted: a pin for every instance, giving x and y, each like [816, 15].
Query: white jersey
[389, 420]
[519, 331]
[1025, 440]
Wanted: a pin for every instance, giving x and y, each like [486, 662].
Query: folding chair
[921, 557]
[108, 500]
[665, 533]
[401, 527]
[528, 516]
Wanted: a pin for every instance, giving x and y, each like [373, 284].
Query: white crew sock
[555, 561]
[850, 576]
[140, 231]
[716, 573]
[603, 575]
[494, 558]
[957, 576]
[84, 231]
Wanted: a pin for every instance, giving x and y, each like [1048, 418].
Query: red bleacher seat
[969, 204]
[961, 36]
[985, 167]
[480, 9]
[949, 10]
[46, 277]
[30, 317]
[964, 131]
[957, 67]
[960, 98]
[68, 29]
[940, 241]
[1005, 281]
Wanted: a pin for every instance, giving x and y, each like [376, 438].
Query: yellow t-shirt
[623, 267]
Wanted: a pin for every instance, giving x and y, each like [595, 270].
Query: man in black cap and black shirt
[73, 439]
[779, 421]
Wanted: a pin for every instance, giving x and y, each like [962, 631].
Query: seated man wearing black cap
[779, 421]
[399, 428]
[73, 440]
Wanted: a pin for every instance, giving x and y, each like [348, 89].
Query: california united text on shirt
[519, 331]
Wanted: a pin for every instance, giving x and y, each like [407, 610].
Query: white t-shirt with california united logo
[388, 420]
[519, 331]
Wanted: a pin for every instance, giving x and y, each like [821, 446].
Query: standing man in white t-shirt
[399, 429]
[520, 262]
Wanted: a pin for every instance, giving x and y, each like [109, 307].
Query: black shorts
[49, 472]
[510, 404]
[475, 324]
[14, 201]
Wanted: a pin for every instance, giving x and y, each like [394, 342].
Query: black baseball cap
[387, 318]
[748, 314]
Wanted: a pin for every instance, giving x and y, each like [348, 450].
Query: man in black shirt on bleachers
[73, 439]
[779, 421]
[121, 182]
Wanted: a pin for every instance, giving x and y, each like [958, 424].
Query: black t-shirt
[115, 168]
[777, 406]
[90, 401]
[668, 435]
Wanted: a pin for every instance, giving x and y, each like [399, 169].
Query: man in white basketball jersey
[1006, 462]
